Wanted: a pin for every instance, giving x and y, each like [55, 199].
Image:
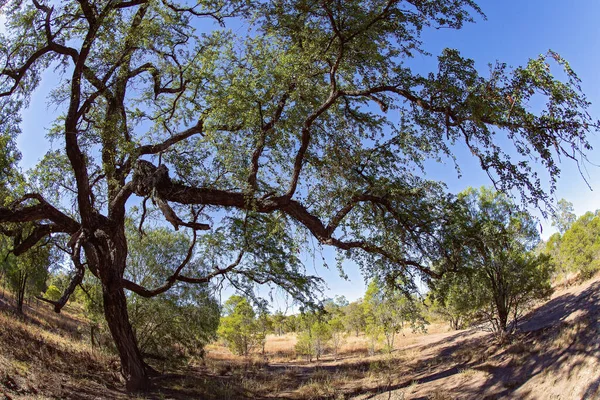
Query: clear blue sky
[515, 31]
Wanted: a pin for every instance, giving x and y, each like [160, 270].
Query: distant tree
[564, 216]
[279, 322]
[292, 323]
[452, 300]
[337, 332]
[239, 327]
[553, 247]
[388, 311]
[264, 324]
[355, 317]
[321, 336]
[579, 247]
[26, 274]
[492, 247]
[314, 339]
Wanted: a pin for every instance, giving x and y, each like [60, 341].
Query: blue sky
[515, 31]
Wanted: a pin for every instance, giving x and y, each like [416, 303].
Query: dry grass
[40, 355]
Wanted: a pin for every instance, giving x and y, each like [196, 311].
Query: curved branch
[305, 141]
[182, 194]
[160, 147]
[263, 136]
[38, 212]
[77, 278]
[39, 232]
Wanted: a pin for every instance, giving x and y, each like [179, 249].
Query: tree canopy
[496, 274]
[578, 249]
[262, 127]
[564, 217]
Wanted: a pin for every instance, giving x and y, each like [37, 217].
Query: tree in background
[292, 323]
[451, 298]
[337, 331]
[335, 320]
[259, 140]
[264, 326]
[279, 322]
[493, 249]
[239, 327]
[27, 274]
[564, 216]
[388, 311]
[552, 247]
[313, 340]
[579, 247]
[355, 317]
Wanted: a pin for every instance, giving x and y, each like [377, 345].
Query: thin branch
[176, 277]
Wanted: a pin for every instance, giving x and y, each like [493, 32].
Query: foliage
[279, 322]
[388, 311]
[564, 216]
[27, 274]
[355, 317]
[180, 321]
[335, 315]
[314, 339]
[239, 327]
[292, 323]
[53, 293]
[552, 247]
[579, 247]
[452, 300]
[498, 274]
[264, 324]
[337, 331]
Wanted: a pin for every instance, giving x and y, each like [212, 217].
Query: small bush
[53, 293]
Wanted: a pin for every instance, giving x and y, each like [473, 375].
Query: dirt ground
[555, 355]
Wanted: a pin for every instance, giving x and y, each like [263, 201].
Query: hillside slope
[43, 356]
[555, 355]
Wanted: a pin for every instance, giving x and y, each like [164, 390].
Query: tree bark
[108, 256]
[134, 369]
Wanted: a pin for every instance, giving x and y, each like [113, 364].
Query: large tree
[262, 127]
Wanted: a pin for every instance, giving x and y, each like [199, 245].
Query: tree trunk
[134, 369]
[108, 257]
[21, 293]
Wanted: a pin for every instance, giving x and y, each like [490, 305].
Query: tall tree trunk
[108, 257]
[134, 369]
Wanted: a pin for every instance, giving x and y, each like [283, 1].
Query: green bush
[52, 293]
